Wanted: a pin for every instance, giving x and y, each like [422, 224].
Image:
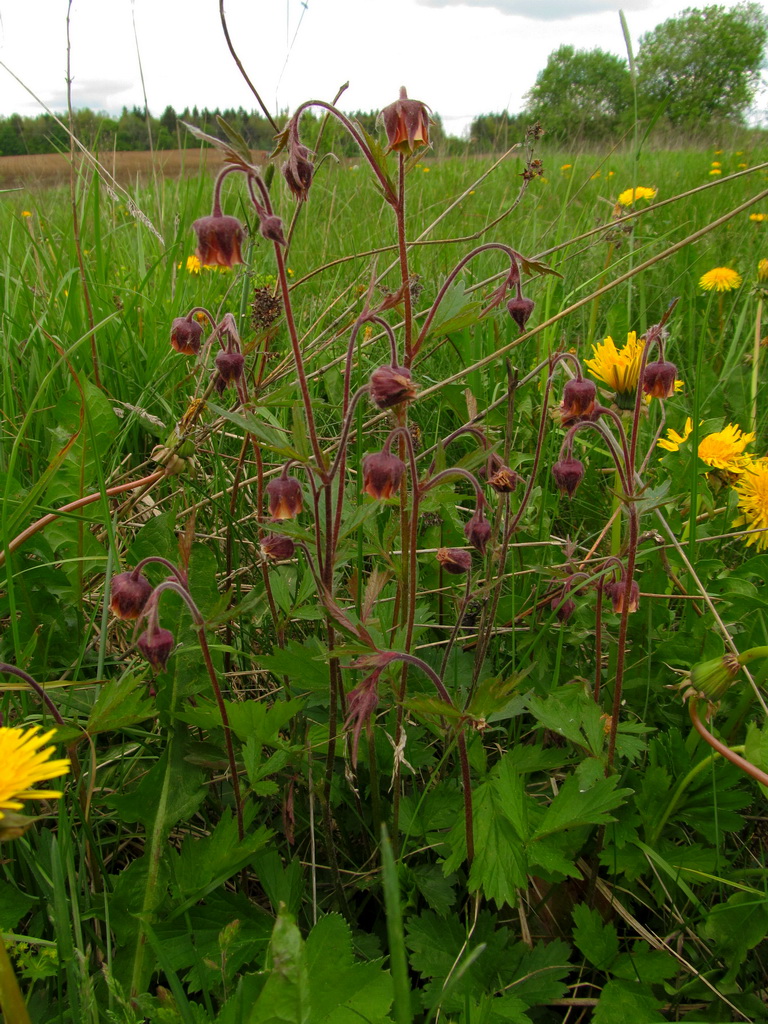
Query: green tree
[580, 94]
[705, 63]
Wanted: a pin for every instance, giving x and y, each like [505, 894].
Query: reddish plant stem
[730, 755]
[405, 275]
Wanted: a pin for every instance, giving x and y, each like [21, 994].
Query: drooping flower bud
[391, 385]
[617, 592]
[271, 228]
[361, 703]
[713, 678]
[298, 170]
[563, 610]
[186, 335]
[456, 561]
[382, 473]
[478, 531]
[568, 474]
[218, 240]
[578, 400]
[504, 480]
[285, 497]
[659, 379]
[230, 366]
[156, 646]
[130, 591]
[520, 310]
[406, 123]
[277, 548]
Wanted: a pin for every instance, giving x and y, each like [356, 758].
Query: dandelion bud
[298, 171]
[504, 480]
[713, 678]
[520, 310]
[218, 240]
[617, 593]
[391, 385]
[230, 366]
[186, 335]
[277, 548]
[568, 474]
[578, 400]
[456, 561]
[129, 593]
[406, 123]
[382, 474]
[478, 532]
[156, 646]
[285, 497]
[271, 228]
[659, 379]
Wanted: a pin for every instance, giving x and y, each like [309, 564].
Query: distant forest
[135, 130]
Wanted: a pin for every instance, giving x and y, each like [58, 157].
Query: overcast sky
[461, 58]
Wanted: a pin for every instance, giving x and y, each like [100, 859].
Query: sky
[460, 57]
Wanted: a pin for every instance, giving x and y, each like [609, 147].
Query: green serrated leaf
[121, 702]
[627, 1001]
[573, 806]
[598, 941]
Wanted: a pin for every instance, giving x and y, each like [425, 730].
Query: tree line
[693, 73]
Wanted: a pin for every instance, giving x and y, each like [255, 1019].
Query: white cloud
[544, 10]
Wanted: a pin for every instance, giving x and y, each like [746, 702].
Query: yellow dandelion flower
[631, 195]
[618, 368]
[673, 440]
[758, 218]
[24, 760]
[425, 169]
[26, 213]
[742, 166]
[718, 152]
[290, 272]
[752, 489]
[720, 279]
[471, 192]
[762, 270]
[715, 171]
[194, 266]
[739, 152]
[595, 175]
[725, 449]
[716, 163]
[565, 167]
[610, 174]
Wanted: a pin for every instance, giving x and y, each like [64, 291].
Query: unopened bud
[713, 678]
[277, 548]
[568, 474]
[156, 646]
[230, 366]
[520, 310]
[478, 532]
[391, 385]
[186, 335]
[271, 228]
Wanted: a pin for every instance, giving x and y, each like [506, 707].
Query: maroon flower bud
[478, 532]
[271, 228]
[617, 593]
[578, 400]
[230, 366]
[218, 241]
[504, 480]
[406, 123]
[456, 561]
[277, 548]
[156, 646]
[186, 335]
[285, 497]
[659, 379]
[298, 171]
[568, 474]
[520, 310]
[565, 610]
[391, 385]
[129, 593]
[382, 474]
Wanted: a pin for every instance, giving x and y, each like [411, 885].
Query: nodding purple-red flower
[271, 228]
[504, 480]
[391, 385]
[230, 366]
[382, 473]
[568, 474]
[617, 592]
[156, 646]
[361, 703]
[562, 610]
[285, 497]
[578, 400]
[186, 335]
[277, 548]
[218, 240]
[129, 593]
[520, 310]
[659, 379]
[456, 561]
[478, 531]
[406, 123]
[298, 170]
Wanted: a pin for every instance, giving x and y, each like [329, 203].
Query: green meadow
[438, 692]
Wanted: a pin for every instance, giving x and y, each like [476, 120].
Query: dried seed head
[568, 474]
[382, 474]
[265, 308]
[578, 400]
[186, 335]
[520, 310]
[156, 646]
[391, 385]
[504, 480]
[218, 241]
[406, 123]
[130, 591]
[456, 561]
[277, 548]
[659, 379]
[478, 531]
[285, 497]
